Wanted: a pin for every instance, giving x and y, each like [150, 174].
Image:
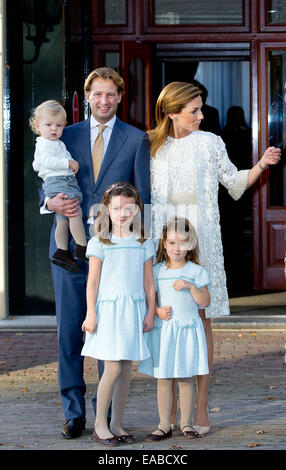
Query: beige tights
[113, 386]
[61, 234]
[186, 402]
[165, 400]
[76, 227]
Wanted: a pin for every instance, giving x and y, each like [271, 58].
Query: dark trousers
[70, 296]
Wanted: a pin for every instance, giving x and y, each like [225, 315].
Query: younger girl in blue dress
[177, 342]
[120, 303]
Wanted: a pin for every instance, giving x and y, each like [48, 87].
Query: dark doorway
[226, 95]
[35, 74]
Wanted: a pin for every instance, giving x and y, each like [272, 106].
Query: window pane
[111, 60]
[277, 124]
[194, 12]
[136, 95]
[276, 11]
[115, 12]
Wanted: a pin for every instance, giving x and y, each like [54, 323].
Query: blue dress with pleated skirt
[121, 303]
[178, 346]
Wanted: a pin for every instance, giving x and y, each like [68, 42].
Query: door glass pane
[111, 60]
[193, 12]
[115, 12]
[136, 95]
[276, 11]
[277, 123]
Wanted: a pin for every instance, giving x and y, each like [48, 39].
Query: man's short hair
[105, 73]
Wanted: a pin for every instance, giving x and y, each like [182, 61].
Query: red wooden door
[270, 207]
[136, 60]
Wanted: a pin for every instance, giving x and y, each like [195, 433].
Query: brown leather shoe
[64, 259]
[111, 442]
[73, 428]
[157, 437]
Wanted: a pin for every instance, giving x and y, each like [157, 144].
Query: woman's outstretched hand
[271, 156]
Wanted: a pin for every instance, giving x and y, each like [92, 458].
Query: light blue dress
[121, 303]
[178, 346]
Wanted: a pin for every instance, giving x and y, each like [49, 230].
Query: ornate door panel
[136, 60]
[272, 190]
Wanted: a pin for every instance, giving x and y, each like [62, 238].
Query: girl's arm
[90, 321]
[201, 296]
[149, 288]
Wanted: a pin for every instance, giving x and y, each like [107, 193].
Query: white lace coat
[211, 165]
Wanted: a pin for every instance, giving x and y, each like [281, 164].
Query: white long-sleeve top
[51, 158]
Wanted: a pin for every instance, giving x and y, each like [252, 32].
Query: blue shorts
[68, 184]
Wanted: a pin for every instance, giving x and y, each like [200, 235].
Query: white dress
[178, 346]
[184, 180]
[121, 303]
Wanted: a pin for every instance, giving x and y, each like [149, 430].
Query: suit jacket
[127, 158]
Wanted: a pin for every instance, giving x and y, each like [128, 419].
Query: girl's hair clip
[122, 186]
[114, 187]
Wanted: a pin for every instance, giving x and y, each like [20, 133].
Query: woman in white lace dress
[187, 167]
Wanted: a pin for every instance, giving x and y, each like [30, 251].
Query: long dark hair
[103, 224]
[184, 228]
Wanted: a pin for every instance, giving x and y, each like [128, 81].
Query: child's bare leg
[119, 398]
[112, 371]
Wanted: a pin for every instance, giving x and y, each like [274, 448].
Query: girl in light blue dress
[120, 303]
[177, 342]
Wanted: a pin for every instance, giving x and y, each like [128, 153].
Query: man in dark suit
[125, 157]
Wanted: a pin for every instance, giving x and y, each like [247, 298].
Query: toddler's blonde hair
[50, 107]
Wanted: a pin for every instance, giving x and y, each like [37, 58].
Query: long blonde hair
[182, 227]
[172, 99]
